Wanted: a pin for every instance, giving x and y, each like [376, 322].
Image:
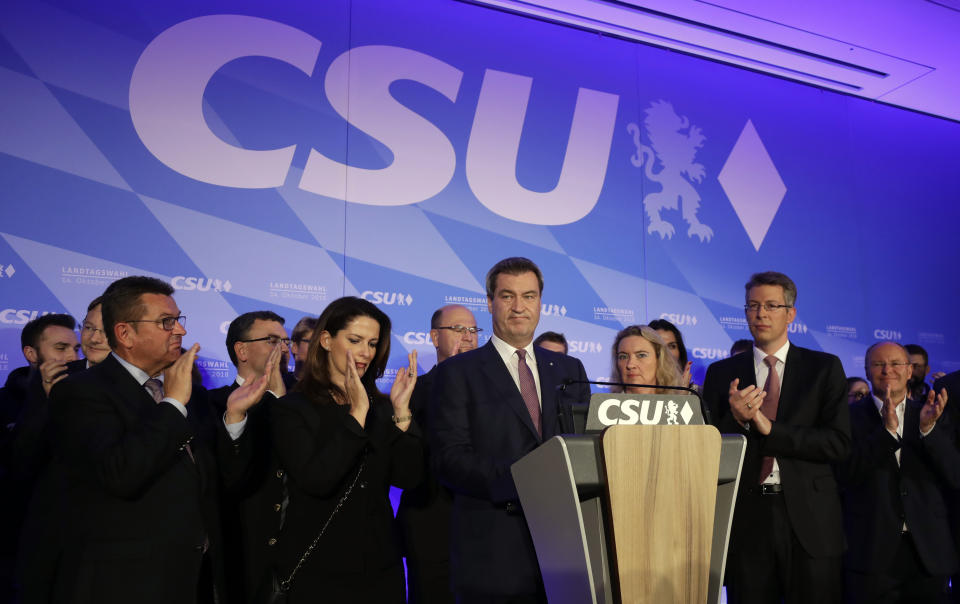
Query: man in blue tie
[488, 408]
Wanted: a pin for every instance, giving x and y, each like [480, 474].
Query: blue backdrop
[279, 156]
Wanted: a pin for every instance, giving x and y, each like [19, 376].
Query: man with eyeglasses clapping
[424, 512]
[250, 515]
[791, 404]
[144, 457]
[895, 514]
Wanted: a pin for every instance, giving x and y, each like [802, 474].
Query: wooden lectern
[638, 513]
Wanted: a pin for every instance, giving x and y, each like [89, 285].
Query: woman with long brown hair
[337, 433]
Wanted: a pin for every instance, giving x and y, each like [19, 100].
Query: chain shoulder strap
[285, 583]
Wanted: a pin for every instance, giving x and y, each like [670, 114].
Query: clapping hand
[402, 390]
[251, 392]
[357, 398]
[178, 377]
[932, 409]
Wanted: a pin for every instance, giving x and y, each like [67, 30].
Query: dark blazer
[251, 510]
[879, 495]
[41, 541]
[424, 511]
[424, 519]
[951, 382]
[141, 511]
[320, 447]
[812, 431]
[479, 426]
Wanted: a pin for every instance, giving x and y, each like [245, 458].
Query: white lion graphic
[676, 151]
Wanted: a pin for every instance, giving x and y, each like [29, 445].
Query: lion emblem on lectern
[674, 142]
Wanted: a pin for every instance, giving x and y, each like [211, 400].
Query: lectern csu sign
[642, 409]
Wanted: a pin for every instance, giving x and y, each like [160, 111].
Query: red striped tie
[528, 390]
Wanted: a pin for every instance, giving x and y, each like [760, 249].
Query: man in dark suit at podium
[488, 408]
[791, 404]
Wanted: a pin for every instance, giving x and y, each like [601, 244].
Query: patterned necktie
[528, 390]
[769, 407]
[155, 387]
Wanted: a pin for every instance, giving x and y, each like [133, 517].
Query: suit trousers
[905, 582]
[772, 565]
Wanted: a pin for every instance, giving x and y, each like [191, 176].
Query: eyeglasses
[90, 329]
[859, 394]
[274, 340]
[893, 365]
[755, 307]
[461, 328]
[168, 323]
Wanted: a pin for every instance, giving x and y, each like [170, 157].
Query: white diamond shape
[686, 413]
[10, 270]
[752, 184]
[227, 286]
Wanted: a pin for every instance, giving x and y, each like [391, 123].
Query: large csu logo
[166, 106]
[388, 298]
[12, 316]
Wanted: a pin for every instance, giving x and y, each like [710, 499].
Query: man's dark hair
[917, 349]
[95, 303]
[512, 266]
[240, 328]
[775, 278]
[552, 336]
[122, 301]
[33, 331]
[664, 325]
[739, 346]
[303, 326]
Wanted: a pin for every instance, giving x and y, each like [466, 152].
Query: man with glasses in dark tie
[250, 514]
[791, 404]
[895, 514]
[424, 511]
[488, 408]
[143, 458]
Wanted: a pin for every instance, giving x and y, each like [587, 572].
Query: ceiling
[900, 52]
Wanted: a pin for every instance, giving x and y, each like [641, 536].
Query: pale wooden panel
[662, 486]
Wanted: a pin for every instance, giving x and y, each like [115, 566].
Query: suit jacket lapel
[127, 386]
[745, 370]
[792, 383]
[505, 389]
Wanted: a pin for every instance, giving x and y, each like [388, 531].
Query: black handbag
[273, 589]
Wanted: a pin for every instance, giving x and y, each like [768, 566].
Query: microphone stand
[707, 419]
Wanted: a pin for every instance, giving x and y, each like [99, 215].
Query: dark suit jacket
[140, 509]
[812, 431]
[41, 534]
[951, 382]
[424, 511]
[879, 495]
[479, 426]
[251, 509]
[320, 446]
